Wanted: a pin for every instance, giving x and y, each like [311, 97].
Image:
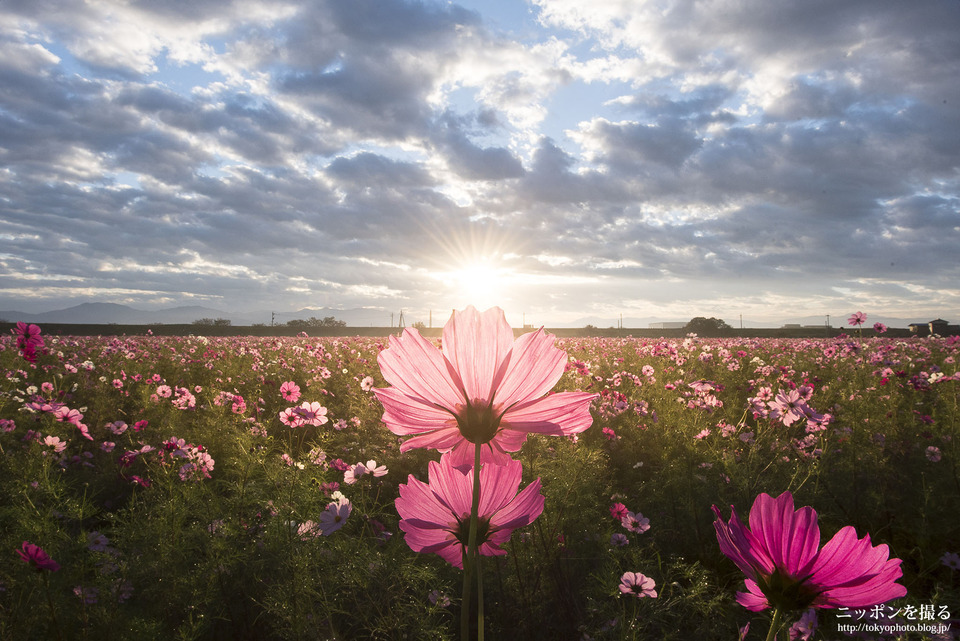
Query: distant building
[668, 325]
[937, 326]
[791, 326]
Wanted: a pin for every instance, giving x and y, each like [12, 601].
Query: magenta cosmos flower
[37, 558]
[482, 387]
[436, 516]
[786, 568]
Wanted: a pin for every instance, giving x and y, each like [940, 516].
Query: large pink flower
[436, 516]
[481, 387]
[786, 568]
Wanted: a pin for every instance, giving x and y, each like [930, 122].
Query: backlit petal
[414, 366]
[475, 344]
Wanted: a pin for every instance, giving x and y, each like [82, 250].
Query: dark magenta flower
[28, 341]
[786, 568]
[37, 558]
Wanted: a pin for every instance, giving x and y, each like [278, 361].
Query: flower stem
[471, 558]
[53, 611]
[774, 625]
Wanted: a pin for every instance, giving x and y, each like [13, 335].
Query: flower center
[787, 592]
[478, 422]
[462, 530]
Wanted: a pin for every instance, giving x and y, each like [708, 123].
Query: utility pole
[272, 316]
[391, 319]
[400, 324]
[430, 323]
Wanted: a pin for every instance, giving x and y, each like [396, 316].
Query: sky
[562, 159]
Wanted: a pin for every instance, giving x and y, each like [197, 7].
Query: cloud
[695, 157]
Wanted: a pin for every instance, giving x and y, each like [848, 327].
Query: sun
[482, 283]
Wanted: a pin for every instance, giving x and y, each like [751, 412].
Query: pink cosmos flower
[789, 407]
[638, 585]
[353, 474]
[55, 443]
[37, 558]
[879, 328]
[311, 413]
[290, 392]
[859, 318]
[787, 569]
[436, 516]
[482, 387]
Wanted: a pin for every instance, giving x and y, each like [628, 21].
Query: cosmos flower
[638, 585]
[333, 518]
[859, 318]
[290, 391]
[353, 474]
[37, 558]
[635, 522]
[482, 387]
[787, 569]
[951, 560]
[28, 341]
[436, 516]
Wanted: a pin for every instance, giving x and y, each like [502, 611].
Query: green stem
[471, 558]
[774, 625]
[479, 598]
[465, 601]
[53, 612]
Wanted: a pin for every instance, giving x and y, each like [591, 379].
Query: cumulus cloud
[657, 160]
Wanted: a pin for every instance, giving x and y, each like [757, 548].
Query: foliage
[326, 321]
[702, 326]
[679, 425]
[212, 322]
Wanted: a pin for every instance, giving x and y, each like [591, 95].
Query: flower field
[246, 488]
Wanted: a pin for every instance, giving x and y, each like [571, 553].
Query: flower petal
[791, 538]
[404, 414]
[741, 546]
[530, 370]
[854, 573]
[753, 599]
[475, 344]
[414, 366]
[560, 414]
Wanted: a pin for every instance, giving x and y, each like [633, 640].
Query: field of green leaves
[244, 488]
